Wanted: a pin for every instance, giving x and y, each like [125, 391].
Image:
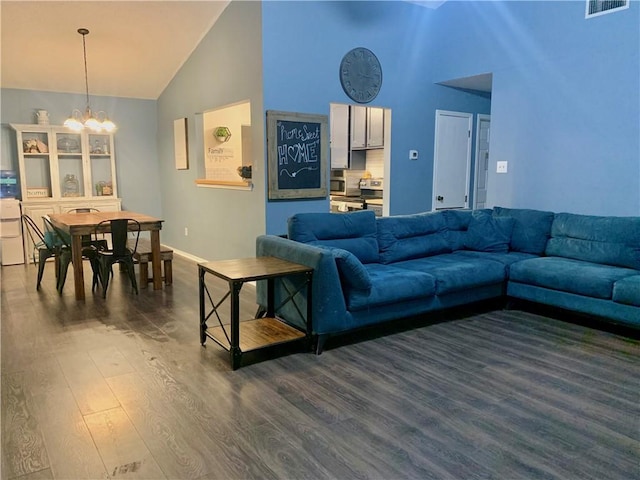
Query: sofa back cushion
[354, 232]
[487, 233]
[403, 237]
[457, 226]
[531, 230]
[605, 240]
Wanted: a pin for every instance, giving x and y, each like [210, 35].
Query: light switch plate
[413, 154]
[501, 167]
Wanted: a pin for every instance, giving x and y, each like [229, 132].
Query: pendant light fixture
[78, 120]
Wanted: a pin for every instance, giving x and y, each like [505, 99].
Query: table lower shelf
[257, 333]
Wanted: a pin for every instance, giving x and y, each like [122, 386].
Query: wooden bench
[143, 258]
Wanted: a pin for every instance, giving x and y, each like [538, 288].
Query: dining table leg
[155, 259]
[76, 258]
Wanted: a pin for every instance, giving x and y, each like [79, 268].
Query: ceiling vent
[596, 8]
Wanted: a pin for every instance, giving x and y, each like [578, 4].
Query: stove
[370, 198]
[345, 204]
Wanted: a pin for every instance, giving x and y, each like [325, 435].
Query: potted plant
[222, 134]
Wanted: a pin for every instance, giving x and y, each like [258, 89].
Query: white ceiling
[134, 48]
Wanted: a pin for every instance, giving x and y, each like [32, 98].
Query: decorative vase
[42, 117]
[71, 186]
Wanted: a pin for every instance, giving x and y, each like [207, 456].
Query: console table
[266, 330]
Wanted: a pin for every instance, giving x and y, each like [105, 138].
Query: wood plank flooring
[121, 389]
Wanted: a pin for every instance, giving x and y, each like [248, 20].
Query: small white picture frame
[181, 153]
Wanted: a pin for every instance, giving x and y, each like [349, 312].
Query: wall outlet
[186, 231]
[501, 167]
[413, 154]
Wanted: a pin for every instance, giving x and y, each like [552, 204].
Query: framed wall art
[297, 146]
[180, 144]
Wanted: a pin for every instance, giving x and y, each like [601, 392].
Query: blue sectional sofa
[369, 270]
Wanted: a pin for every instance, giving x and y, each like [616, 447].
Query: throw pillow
[489, 234]
[352, 271]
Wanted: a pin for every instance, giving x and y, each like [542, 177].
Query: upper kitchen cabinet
[341, 155]
[61, 169]
[367, 127]
[375, 127]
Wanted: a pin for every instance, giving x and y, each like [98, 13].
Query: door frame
[479, 118]
[469, 117]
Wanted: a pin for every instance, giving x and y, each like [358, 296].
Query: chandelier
[79, 120]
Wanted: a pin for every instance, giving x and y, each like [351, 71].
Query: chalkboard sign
[297, 145]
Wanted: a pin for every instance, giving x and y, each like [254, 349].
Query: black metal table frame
[235, 287]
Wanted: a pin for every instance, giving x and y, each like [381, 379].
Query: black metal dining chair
[45, 246]
[121, 250]
[87, 240]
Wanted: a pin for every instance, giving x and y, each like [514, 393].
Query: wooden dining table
[79, 224]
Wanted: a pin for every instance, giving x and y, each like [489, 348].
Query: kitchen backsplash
[375, 163]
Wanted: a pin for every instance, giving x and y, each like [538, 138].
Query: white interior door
[482, 161]
[452, 160]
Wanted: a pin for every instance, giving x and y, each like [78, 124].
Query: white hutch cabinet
[61, 170]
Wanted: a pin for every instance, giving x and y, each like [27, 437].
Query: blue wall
[135, 141]
[225, 68]
[303, 44]
[565, 100]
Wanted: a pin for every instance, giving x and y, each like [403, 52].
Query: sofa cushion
[606, 240]
[569, 275]
[627, 291]
[390, 285]
[457, 225]
[505, 258]
[354, 232]
[454, 272]
[489, 234]
[352, 273]
[403, 237]
[531, 230]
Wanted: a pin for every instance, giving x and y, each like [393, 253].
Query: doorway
[483, 131]
[452, 160]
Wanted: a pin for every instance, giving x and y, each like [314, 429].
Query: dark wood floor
[121, 388]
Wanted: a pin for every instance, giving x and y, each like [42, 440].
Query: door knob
[440, 198]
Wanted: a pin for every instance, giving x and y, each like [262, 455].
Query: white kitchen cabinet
[367, 127]
[358, 127]
[339, 135]
[342, 156]
[58, 164]
[375, 127]
[61, 170]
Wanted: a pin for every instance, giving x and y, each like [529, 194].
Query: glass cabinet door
[70, 164]
[100, 151]
[36, 153]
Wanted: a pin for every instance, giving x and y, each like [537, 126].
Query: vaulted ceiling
[134, 47]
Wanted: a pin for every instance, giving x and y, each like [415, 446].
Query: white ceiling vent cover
[596, 8]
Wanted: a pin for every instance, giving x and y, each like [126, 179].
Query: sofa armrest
[329, 308]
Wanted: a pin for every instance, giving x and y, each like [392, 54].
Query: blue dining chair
[45, 245]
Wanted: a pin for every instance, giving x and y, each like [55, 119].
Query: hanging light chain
[84, 32]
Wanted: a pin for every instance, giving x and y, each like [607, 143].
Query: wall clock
[360, 75]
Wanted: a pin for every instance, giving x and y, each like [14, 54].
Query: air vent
[600, 7]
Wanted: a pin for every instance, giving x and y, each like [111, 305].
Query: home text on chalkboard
[297, 155]
[298, 146]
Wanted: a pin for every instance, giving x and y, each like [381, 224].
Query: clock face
[361, 75]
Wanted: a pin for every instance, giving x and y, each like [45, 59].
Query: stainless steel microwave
[345, 182]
